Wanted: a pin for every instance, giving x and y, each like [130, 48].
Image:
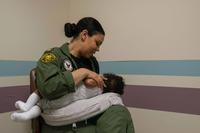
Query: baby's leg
[31, 101]
[34, 112]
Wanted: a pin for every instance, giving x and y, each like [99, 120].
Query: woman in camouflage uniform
[60, 69]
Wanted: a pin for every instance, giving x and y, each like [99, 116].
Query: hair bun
[70, 29]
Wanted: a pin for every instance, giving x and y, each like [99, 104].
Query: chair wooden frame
[35, 123]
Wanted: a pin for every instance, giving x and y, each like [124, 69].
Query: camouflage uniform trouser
[116, 119]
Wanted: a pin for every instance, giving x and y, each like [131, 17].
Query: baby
[33, 106]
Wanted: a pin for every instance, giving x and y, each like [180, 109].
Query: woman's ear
[84, 35]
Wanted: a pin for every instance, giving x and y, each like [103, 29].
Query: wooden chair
[35, 122]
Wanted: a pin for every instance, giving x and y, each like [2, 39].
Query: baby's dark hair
[88, 23]
[114, 83]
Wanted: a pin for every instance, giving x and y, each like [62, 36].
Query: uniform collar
[65, 49]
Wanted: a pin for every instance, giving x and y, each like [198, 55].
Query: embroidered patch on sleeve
[48, 57]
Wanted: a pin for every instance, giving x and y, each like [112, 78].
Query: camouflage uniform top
[54, 71]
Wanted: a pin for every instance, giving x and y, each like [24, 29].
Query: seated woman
[30, 110]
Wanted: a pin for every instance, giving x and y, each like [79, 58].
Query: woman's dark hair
[88, 23]
[114, 83]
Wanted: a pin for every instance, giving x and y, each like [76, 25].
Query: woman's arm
[53, 83]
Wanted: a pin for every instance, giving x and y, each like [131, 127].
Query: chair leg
[36, 125]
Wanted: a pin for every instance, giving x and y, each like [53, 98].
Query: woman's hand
[94, 77]
[83, 73]
[90, 83]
